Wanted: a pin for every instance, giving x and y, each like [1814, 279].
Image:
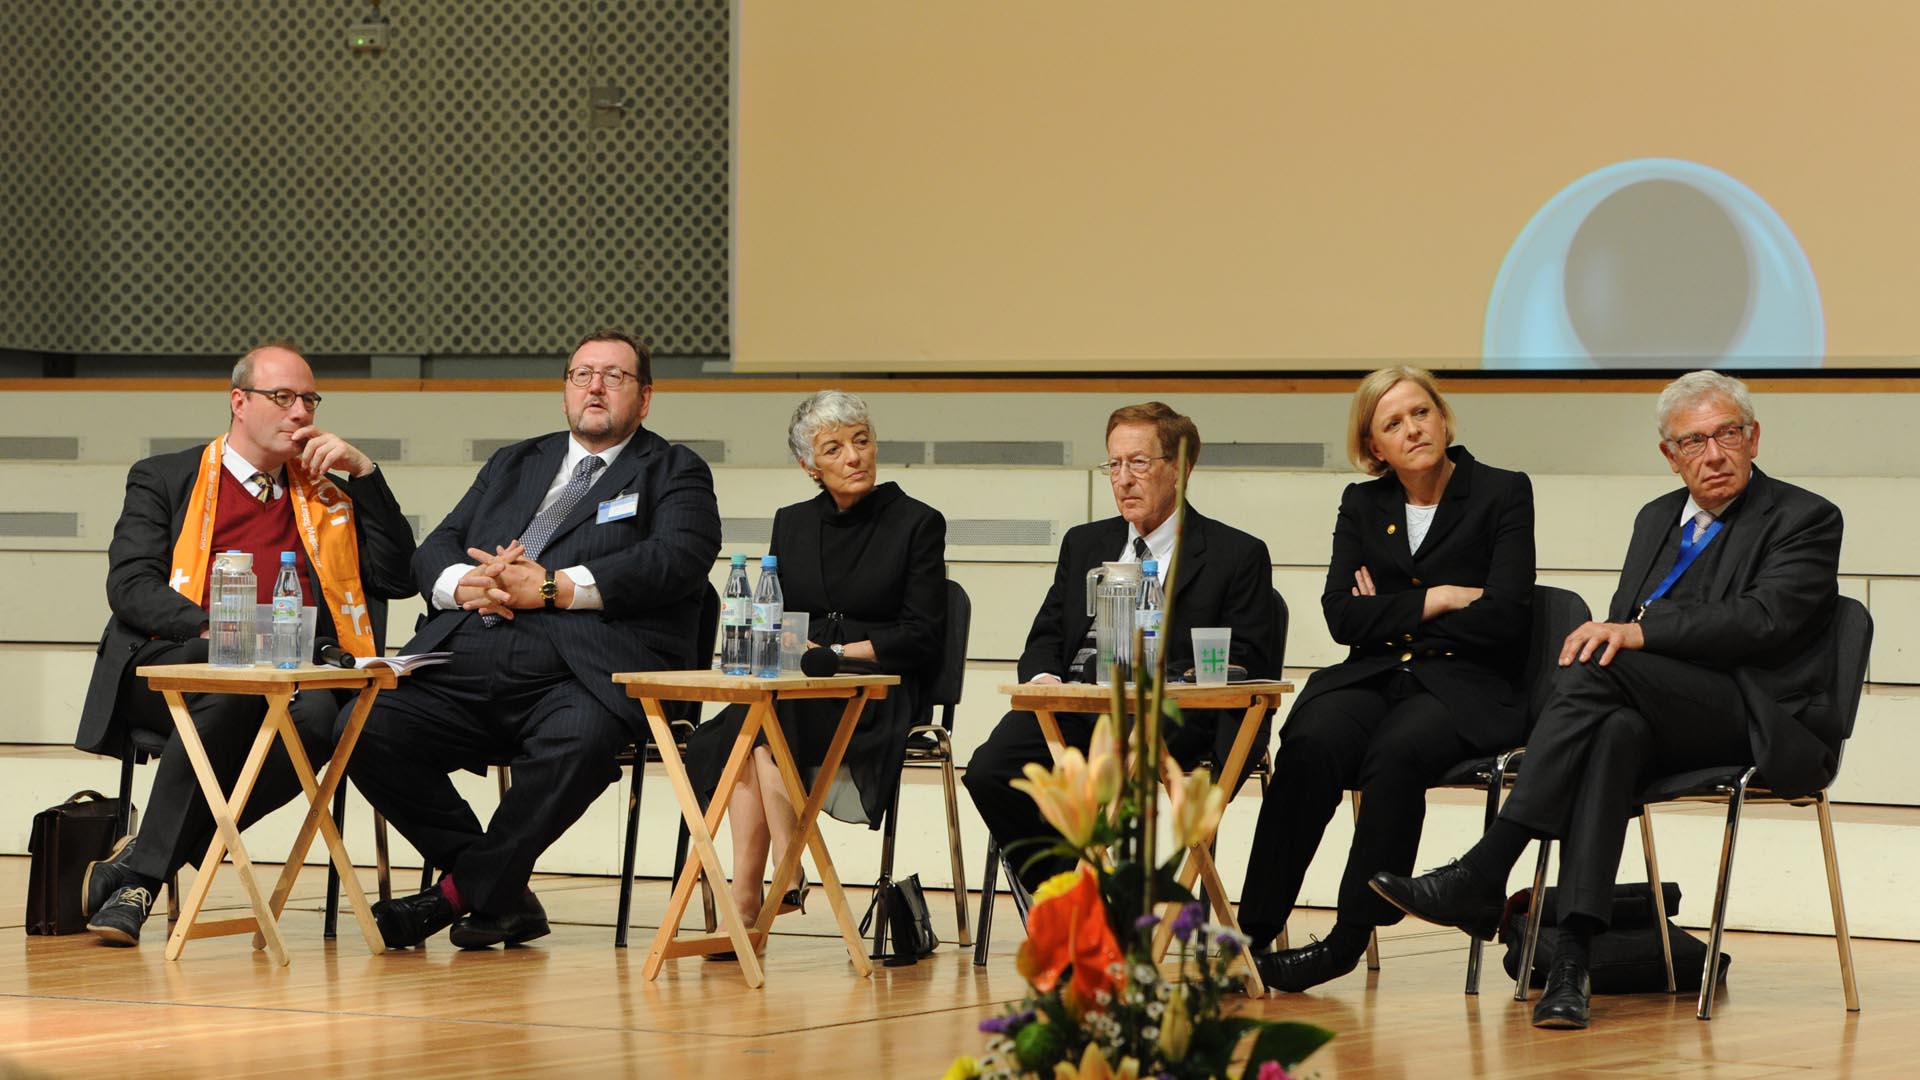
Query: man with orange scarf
[272, 483]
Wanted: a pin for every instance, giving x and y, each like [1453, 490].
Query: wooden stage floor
[571, 1005]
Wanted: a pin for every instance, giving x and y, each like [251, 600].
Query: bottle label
[736, 611]
[286, 607]
[767, 616]
[1148, 621]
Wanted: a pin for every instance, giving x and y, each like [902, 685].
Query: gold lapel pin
[1391, 529]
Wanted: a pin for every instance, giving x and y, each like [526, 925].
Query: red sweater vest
[242, 523]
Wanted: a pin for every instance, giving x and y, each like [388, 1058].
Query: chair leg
[877, 909]
[954, 854]
[1476, 951]
[1535, 900]
[505, 773]
[123, 821]
[382, 864]
[627, 856]
[1841, 938]
[988, 884]
[1735, 800]
[1659, 901]
[332, 920]
[1373, 936]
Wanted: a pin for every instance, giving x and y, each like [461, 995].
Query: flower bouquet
[1099, 1006]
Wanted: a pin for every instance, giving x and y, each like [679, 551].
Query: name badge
[620, 506]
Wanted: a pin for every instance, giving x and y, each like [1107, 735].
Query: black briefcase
[1626, 959]
[64, 840]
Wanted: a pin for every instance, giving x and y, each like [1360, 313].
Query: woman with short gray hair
[867, 563]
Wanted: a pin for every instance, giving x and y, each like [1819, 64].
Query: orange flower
[1070, 930]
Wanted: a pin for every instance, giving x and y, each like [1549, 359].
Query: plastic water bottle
[768, 607]
[736, 621]
[287, 602]
[1153, 598]
[234, 592]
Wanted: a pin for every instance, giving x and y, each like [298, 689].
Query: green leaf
[1287, 1042]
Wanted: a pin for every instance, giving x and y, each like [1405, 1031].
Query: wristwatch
[838, 650]
[548, 590]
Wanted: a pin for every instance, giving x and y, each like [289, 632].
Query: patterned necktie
[264, 485]
[535, 538]
[1700, 522]
[1140, 549]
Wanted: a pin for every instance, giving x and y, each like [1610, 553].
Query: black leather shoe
[108, 876]
[119, 920]
[1454, 895]
[481, 930]
[1294, 970]
[1564, 1004]
[407, 921]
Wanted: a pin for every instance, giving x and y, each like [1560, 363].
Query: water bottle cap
[286, 558]
[769, 562]
[1150, 566]
[739, 560]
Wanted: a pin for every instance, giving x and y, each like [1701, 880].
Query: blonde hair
[1366, 398]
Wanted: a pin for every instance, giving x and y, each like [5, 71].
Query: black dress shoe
[483, 930]
[407, 921]
[1454, 895]
[108, 876]
[1294, 970]
[1564, 1004]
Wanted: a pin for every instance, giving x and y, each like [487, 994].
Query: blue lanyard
[1690, 550]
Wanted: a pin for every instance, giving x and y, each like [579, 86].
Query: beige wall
[1098, 185]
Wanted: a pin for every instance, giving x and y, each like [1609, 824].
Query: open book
[403, 664]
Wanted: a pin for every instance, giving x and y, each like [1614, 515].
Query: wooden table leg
[700, 828]
[809, 829]
[226, 824]
[319, 818]
[1050, 730]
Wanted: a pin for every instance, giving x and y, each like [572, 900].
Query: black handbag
[1626, 958]
[64, 840]
[910, 933]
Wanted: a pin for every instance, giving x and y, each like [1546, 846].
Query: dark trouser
[1605, 732]
[1388, 739]
[1012, 816]
[506, 698]
[176, 827]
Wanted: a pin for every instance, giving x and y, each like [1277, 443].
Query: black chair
[1260, 769]
[930, 745]
[1851, 634]
[1555, 614]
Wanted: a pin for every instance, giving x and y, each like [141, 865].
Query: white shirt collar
[577, 453]
[242, 470]
[1688, 511]
[1159, 541]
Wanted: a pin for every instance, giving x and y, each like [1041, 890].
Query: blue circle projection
[1655, 263]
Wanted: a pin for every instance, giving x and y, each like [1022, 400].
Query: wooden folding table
[1044, 700]
[277, 686]
[760, 696]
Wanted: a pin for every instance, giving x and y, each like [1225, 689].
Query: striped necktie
[263, 485]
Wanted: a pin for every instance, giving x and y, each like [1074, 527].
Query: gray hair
[828, 408]
[1696, 387]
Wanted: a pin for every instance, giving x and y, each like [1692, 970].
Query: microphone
[330, 654]
[819, 662]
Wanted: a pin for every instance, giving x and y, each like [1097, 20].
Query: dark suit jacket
[1481, 536]
[651, 568]
[1772, 598]
[1224, 579]
[145, 607]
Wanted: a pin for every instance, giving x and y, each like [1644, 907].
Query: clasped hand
[501, 582]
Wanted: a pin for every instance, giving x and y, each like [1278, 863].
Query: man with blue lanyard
[1715, 653]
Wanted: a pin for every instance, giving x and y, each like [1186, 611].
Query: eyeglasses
[615, 378]
[1732, 437]
[285, 398]
[1138, 466]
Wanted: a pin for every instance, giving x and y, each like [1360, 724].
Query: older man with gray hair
[1715, 652]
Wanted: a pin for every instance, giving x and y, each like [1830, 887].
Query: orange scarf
[325, 516]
